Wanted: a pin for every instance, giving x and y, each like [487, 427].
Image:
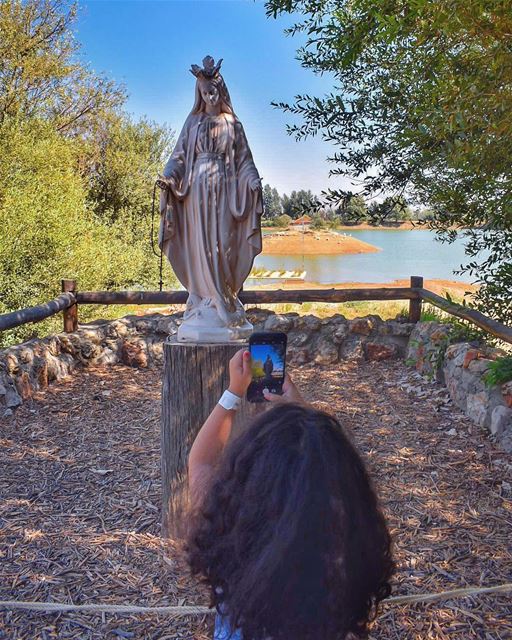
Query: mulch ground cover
[80, 503]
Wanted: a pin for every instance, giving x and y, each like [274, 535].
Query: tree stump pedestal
[194, 378]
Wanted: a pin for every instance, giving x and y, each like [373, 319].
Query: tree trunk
[195, 376]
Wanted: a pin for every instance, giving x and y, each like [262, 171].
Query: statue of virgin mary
[210, 205]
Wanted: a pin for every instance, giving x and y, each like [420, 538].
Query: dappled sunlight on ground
[80, 505]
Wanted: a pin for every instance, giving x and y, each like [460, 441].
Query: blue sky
[261, 351]
[149, 46]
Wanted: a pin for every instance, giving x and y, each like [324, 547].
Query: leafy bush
[49, 231]
[76, 173]
[318, 223]
[420, 104]
[283, 221]
[499, 372]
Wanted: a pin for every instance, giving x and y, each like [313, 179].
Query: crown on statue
[209, 70]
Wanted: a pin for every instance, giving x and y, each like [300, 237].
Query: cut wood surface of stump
[194, 378]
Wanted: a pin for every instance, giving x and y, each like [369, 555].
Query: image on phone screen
[268, 368]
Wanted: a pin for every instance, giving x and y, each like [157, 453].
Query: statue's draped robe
[210, 217]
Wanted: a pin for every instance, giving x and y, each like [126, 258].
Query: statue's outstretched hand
[164, 183]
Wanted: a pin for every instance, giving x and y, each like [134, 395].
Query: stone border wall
[138, 341]
[461, 366]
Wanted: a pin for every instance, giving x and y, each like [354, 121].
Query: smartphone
[268, 362]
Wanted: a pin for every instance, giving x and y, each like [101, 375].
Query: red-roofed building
[303, 220]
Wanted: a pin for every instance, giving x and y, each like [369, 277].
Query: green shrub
[499, 372]
[49, 231]
[283, 221]
[318, 223]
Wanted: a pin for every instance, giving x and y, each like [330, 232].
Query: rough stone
[56, 367]
[52, 344]
[278, 323]
[67, 344]
[41, 372]
[352, 349]
[340, 333]
[326, 351]
[397, 328]
[297, 338]
[501, 420]
[12, 398]
[3, 390]
[166, 325]
[486, 406]
[471, 354]
[11, 363]
[8, 413]
[108, 357]
[506, 392]
[426, 347]
[384, 329]
[309, 323]
[258, 316]
[457, 352]
[143, 325]
[24, 387]
[92, 335]
[133, 354]
[118, 328]
[469, 382]
[89, 350]
[298, 356]
[155, 349]
[362, 326]
[477, 405]
[26, 355]
[478, 366]
[378, 351]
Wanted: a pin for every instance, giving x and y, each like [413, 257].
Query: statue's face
[209, 93]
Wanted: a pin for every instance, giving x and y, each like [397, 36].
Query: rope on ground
[188, 610]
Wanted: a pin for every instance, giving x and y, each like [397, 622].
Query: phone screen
[268, 361]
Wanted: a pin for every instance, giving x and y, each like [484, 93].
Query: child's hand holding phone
[240, 373]
[290, 393]
[268, 362]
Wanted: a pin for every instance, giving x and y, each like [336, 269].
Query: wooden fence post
[194, 377]
[71, 313]
[415, 305]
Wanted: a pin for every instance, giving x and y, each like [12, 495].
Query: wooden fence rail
[69, 300]
[471, 315]
[37, 313]
[271, 296]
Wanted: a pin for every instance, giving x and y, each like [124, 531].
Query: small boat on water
[281, 275]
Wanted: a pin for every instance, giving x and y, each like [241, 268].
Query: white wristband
[230, 401]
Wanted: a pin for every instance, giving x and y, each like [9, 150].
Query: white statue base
[204, 325]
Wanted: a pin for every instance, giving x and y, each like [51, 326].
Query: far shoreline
[436, 285]
[363, 226]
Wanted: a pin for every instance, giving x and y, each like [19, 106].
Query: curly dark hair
[290, 537]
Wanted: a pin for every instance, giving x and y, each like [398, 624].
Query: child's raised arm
[214, 433]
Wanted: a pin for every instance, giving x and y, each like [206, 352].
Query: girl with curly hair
[287, 531]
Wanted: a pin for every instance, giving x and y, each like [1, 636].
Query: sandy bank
[454, 287]
[313, 243]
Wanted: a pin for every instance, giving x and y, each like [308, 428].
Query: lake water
[403, 253]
